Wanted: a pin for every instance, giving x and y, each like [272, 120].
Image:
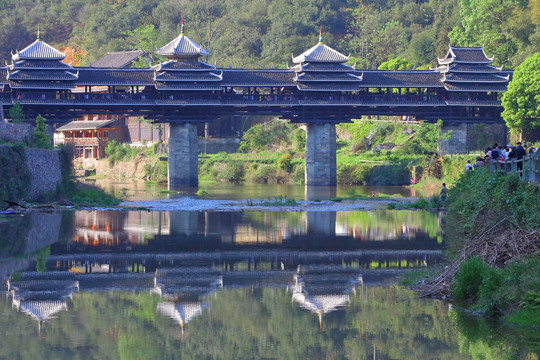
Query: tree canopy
[254, 33]
[522, 100]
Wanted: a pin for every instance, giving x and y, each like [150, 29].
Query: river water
[242, 284]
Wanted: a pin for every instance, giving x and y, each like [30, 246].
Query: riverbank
[272, 204]
[492, 226]
[375, 153]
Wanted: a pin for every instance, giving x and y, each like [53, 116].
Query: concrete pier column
[320, 154]
[183, 156]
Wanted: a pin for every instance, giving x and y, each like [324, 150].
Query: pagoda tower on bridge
[322, 68]
[39, 67]
[184, 70]
[470, 70]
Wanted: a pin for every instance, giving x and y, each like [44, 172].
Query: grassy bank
[368, 153]
[492, 227]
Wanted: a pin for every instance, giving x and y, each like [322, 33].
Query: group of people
[502, 153]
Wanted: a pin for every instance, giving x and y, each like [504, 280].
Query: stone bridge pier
[462, 138]
[320, 154]
[183, 160]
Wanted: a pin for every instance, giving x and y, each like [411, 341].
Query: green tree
[40, 139]
[521, 101]
[147, 38]
[396, 63]
[16, 113]
[484, 24]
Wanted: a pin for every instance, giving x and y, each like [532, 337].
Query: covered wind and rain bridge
[320, 90]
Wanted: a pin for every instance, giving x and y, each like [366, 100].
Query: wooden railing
[86, 141]
[528, 167]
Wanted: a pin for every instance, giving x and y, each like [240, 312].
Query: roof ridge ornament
[38, 32]
[320, 36]
[182, 27]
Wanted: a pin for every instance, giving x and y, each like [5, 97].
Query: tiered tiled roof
[40, 66]
[128, 77]
[85, 125]
[469, 69]
[239, 77]
[322, 68]
[118, 59]
[184, 71]
[401, 79]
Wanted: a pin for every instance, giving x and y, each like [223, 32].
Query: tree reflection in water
[485, 340]
[237, 324]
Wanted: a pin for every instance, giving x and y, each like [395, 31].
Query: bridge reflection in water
[183, 256]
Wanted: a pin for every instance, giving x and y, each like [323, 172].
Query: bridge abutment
[320, 154]
[183, 156]
[467, 137]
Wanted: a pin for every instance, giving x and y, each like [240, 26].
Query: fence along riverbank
[529, 171]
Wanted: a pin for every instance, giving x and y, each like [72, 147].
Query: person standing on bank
[444, 192]
[519, 152]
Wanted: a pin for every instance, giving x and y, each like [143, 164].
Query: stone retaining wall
[45, 171]
[15, 132]
[28, 174]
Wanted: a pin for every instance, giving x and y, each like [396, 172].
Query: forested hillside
[264, 33]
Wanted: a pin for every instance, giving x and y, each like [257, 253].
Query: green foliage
[495, 196]
[425, 140]
[41, 258]
[433, 203]
[500, 292]
[279, 201]
[350, 174]
[521, 101]
[499, 26]
[484, 339]
[120, 151]
[285, 162]
[265, 174]
[396, 63]
[467, 282]
[16, 113]
[386, 175]
[40, 139]
[147, 38]
[267, 136]
[160, 172]
[89, 196]
[233, 171]
[14, 177]
[254, 33]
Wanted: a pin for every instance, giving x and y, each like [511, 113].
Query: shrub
[265, 174]
[299, 173]
[298, 138]
[263, 136]
[468, 279]
[147, 170]
[40, 139]
[120, 152]
[351, 174]
[386, 175]
[232, 171]
[160, 172]
[360, 146]
[285, 162]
